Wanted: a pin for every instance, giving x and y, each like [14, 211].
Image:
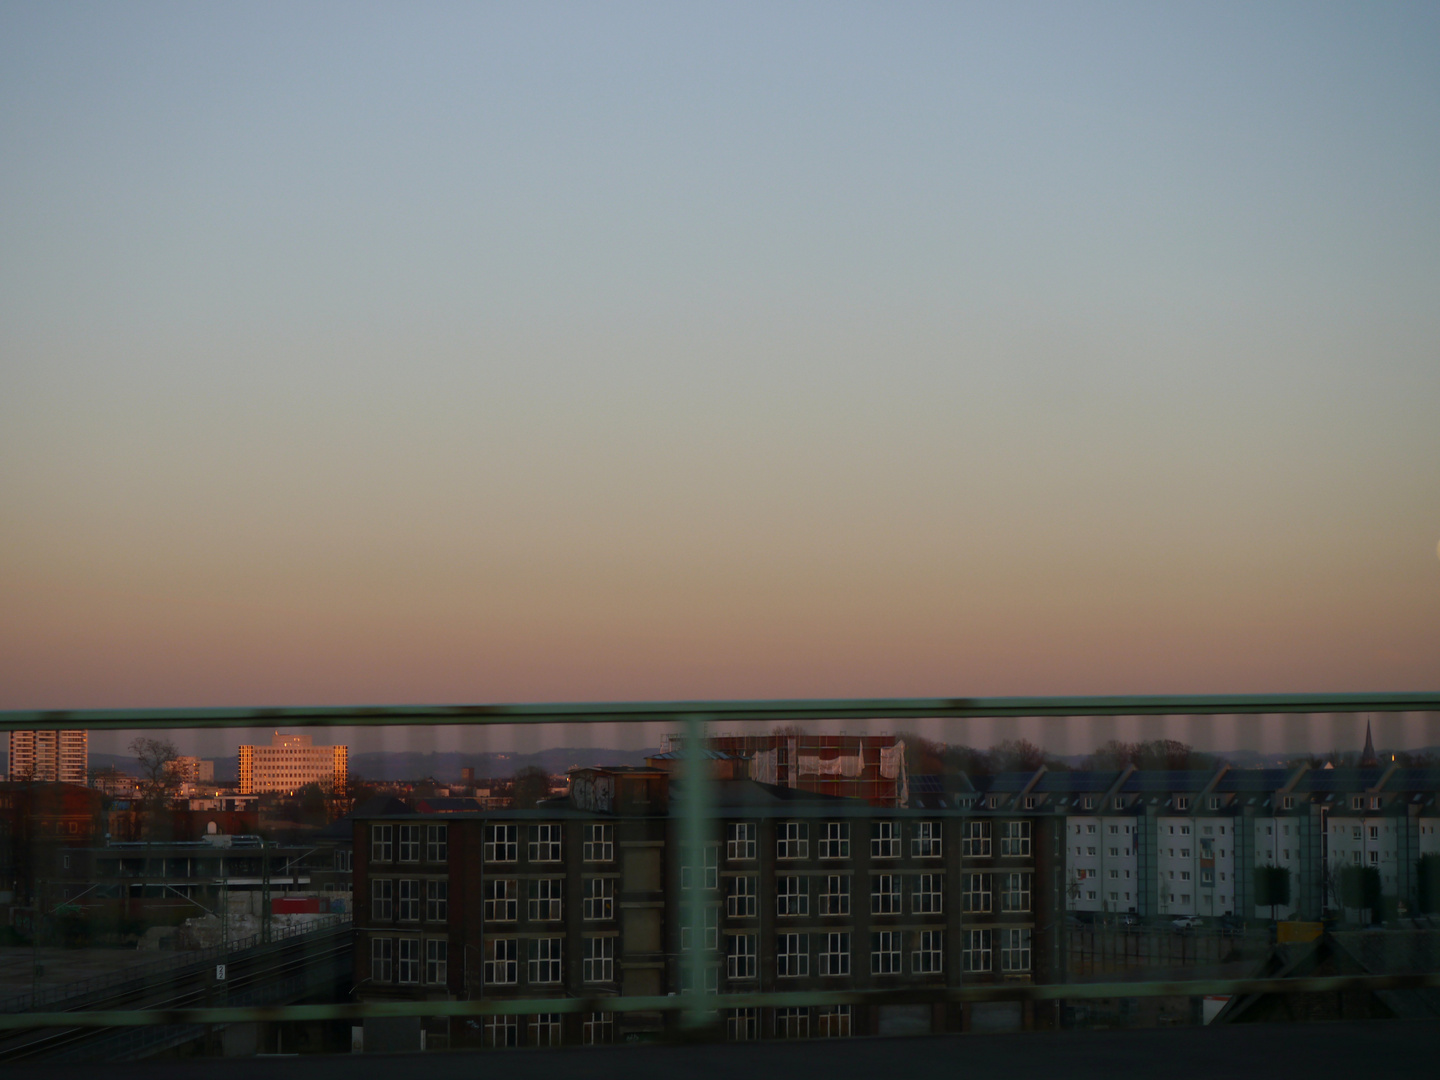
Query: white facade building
[289, 763]
[50, 756]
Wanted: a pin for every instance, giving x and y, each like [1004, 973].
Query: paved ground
[1386, 1049]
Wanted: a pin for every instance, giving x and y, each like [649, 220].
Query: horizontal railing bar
[719, 711]
[671, 1003]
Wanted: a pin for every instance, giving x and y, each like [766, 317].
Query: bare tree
[158, 776]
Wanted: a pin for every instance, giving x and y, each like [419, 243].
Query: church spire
[1367, 757]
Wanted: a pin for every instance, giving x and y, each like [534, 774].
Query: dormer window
[994, 801]
[1214, 802]
[1119, 802]
[1182, 802]
[1088, 803]
[1357, 802]
[1287, 802]
[1374, 802]
[1030, 802]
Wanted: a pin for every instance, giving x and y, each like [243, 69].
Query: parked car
[1186, 922]
[1129, 919]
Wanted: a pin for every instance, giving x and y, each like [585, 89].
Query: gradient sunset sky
[524, 352]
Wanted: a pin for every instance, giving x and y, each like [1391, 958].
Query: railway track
[272, 975]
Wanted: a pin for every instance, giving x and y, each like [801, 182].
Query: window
[792, 955]
[740, 840]
[1088, 802]
[545, 1029]
[437, 957]
[382, 892]
[885, 894]
[342, 860]
[598, 1029]
[1182, 802]
[1184, 830]
[1374, 858]
[835, 897]
[978, 891]
[792, 840]
[544, 843]
[381, 843]
[1119, 803]
[740, 956]
[1185, 874]
[742, 1025]
[543, 900]
[1015, 838]
[409, 901]
[1207, 876]
[545, 960]
[885, 843]
[712, 931]
[792, 1023]
[835, 840]
[927, 895]
[599, 898]
[409, 843]
[1374, 802]
[1015, 950]
[925, 844]
[502, 900]
[1031, 802]
[792, 896]
[929, 955]
[1214, 802]
[500, 1031]
[976, 954]
[599, 847]
[1374, 832]
[835, 954]
[381, 950]
[711, 868]
[408, 969]
[500, 843]
[437, 843]
[599, 963]
[885, 952]
[1114, 852]
[833, 1022]
[1357, 802]
[1287, 802]
[740, 900]
[437, 901]
[1015, 891]
[975, 839]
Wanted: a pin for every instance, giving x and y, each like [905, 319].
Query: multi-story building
[192, 770]
[1164, 844]
[869, 767]
[289, 763]
[52, 757]
[587, 896]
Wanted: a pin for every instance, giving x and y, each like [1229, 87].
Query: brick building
[583, 897]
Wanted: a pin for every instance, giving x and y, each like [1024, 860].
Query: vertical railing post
[696, 825]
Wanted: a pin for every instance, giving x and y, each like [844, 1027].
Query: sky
[415, 353]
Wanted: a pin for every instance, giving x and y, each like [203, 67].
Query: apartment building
[53, 757]
[1163, 844]
[289, 763]
[586, 896]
